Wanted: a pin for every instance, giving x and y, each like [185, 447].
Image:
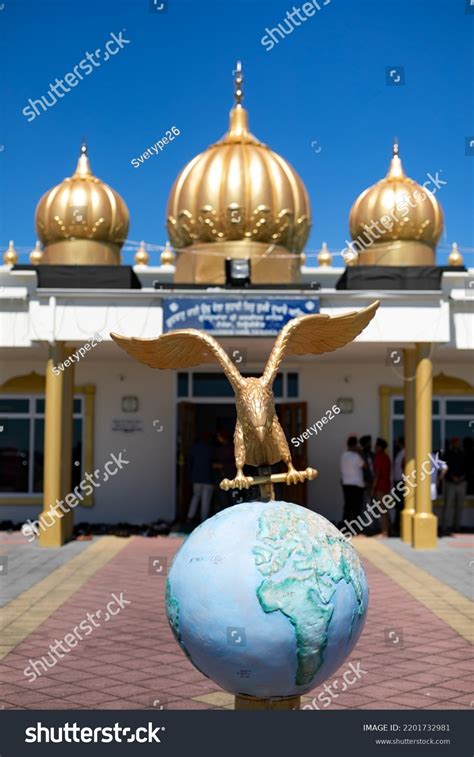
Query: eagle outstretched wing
[179, 349]
[315, 334]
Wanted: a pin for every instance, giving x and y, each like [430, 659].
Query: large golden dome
[407, 217]
[82, 220]
[238, 199]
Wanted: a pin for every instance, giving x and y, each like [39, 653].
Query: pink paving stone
[88, 698]
[23, 699]
[55, 704]
[187, 704]
[385, 706]
[375, 692]
[414, 699]
[400, 684]
[427, 678]
[437, 693]
[458, 686]
[68, 675]
[63, 689]
[118, 704]
[124, 691]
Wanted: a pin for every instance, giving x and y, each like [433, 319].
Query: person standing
[352, 480]
[455, 486]
[382, 480]
[437, 475]
[224, 467]
[201, 474]
[398, 469]
[368, 457]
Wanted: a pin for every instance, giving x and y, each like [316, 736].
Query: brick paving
[410, 657]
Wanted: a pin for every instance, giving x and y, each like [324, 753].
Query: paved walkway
[415, 650]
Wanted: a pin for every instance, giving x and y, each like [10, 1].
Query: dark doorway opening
[196, 418]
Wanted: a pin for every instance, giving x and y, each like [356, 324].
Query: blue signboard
[235, 316]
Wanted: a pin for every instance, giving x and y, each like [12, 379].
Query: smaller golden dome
[36, 255]
[141, 255]
[324, 256]
[167, 256]
[82, 220]
[455, 257]
[408, 219]
[10, 256]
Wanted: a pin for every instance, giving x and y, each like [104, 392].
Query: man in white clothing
[352, 479]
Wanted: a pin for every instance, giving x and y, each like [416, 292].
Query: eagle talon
[295, 477]
[241, 482]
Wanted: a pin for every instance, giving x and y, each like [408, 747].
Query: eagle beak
[261, 433]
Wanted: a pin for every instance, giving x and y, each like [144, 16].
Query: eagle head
[255, 407]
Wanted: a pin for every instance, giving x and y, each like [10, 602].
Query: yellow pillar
[424, 522]
[59, 396]
[406, 516]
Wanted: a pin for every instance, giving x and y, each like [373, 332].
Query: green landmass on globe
[314, 565]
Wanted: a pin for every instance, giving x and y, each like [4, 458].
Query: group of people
[368, 475]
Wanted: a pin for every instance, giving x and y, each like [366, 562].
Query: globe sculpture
[267, 599]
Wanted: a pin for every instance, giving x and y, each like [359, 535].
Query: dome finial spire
[395, 170]
[238, 80]
[83, 167]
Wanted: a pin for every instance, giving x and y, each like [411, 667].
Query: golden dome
[455, 257]
[324, 256]
[36, 255]
[141, 255]
[167, 256]
[82, 220]
[10, 256]
[408, 220]
[238, 199]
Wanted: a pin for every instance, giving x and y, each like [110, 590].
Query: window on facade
[22, 444]
[216, 385]
[450, 417]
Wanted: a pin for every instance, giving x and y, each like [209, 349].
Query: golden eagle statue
[259, 438]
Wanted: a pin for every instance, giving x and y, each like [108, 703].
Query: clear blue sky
[324, 83]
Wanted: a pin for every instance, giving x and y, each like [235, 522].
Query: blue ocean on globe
[267, 599]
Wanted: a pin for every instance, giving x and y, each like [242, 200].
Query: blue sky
[319, 98]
